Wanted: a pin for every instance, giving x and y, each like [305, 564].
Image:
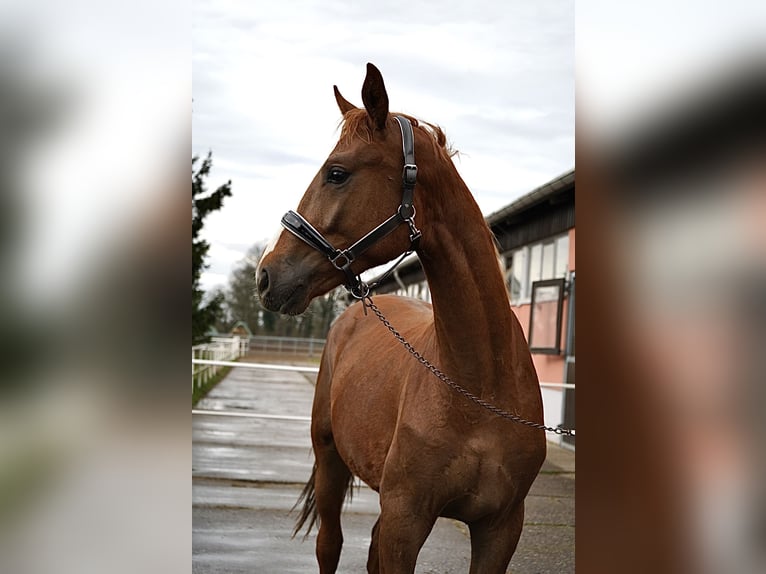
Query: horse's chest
[464, 464]
[479, 483]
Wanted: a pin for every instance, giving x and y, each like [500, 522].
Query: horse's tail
[309, 510]
[308, 498]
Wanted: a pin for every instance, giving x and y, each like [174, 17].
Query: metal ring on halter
[364, 290]
[411, 212]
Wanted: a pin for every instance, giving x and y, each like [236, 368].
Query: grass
[201, 391]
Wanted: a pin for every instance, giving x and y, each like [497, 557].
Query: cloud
[499, 78]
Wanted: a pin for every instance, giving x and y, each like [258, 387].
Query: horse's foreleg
[373, 559]
[493, 542]
[404, 525]
[332, 481]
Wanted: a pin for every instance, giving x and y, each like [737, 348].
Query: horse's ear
[343, 103]
[375, 97]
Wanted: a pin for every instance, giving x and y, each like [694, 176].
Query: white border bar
[315, 370]
[250, 415]
[256, 366]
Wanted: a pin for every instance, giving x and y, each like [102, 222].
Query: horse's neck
[480, 341]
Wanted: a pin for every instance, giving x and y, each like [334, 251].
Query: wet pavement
[248, 471]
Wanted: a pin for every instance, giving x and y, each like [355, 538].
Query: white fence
[287, 345]
[218, 349]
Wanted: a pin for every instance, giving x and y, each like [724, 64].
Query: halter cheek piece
[342, 259]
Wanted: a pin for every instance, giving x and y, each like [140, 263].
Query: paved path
[248, 472]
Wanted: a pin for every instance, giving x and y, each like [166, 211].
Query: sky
[498, 77]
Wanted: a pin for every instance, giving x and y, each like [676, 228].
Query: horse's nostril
[263, 281]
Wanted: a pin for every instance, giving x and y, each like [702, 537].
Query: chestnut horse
[378, 414]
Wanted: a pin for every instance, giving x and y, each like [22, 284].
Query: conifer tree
[203, 203]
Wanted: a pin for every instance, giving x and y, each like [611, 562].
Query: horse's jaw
[288, 299]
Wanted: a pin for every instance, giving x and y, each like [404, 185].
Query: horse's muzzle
[282, 291]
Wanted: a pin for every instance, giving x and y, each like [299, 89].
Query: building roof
[243, 325]
[534, 197]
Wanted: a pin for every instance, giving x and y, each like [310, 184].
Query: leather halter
[342, 259]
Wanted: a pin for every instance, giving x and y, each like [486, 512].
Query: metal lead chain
[367, 302]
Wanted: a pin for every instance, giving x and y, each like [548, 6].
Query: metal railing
[287, 345]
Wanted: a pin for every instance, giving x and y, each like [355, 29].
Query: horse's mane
[356, 125]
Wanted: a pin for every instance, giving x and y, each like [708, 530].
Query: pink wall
[550, 368]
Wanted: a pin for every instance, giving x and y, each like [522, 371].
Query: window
[562, 256]
[545, 316]
[535, 260]
[548, 259]
[517, 274]
[570, 346]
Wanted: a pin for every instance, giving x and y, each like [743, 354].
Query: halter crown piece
[342, 259]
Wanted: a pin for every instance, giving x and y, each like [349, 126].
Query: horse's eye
[337, 175]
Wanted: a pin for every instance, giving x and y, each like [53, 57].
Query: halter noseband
[342, 259]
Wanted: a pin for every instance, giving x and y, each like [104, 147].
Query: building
[241, 329]
[536, 243]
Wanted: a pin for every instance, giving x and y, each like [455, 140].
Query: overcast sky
[497, 76]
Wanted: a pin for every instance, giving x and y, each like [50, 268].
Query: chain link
[367, 302]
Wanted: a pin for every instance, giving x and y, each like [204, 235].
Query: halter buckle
[410, 173]
[342, 260]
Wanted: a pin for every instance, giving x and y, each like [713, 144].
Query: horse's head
[358, 187]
